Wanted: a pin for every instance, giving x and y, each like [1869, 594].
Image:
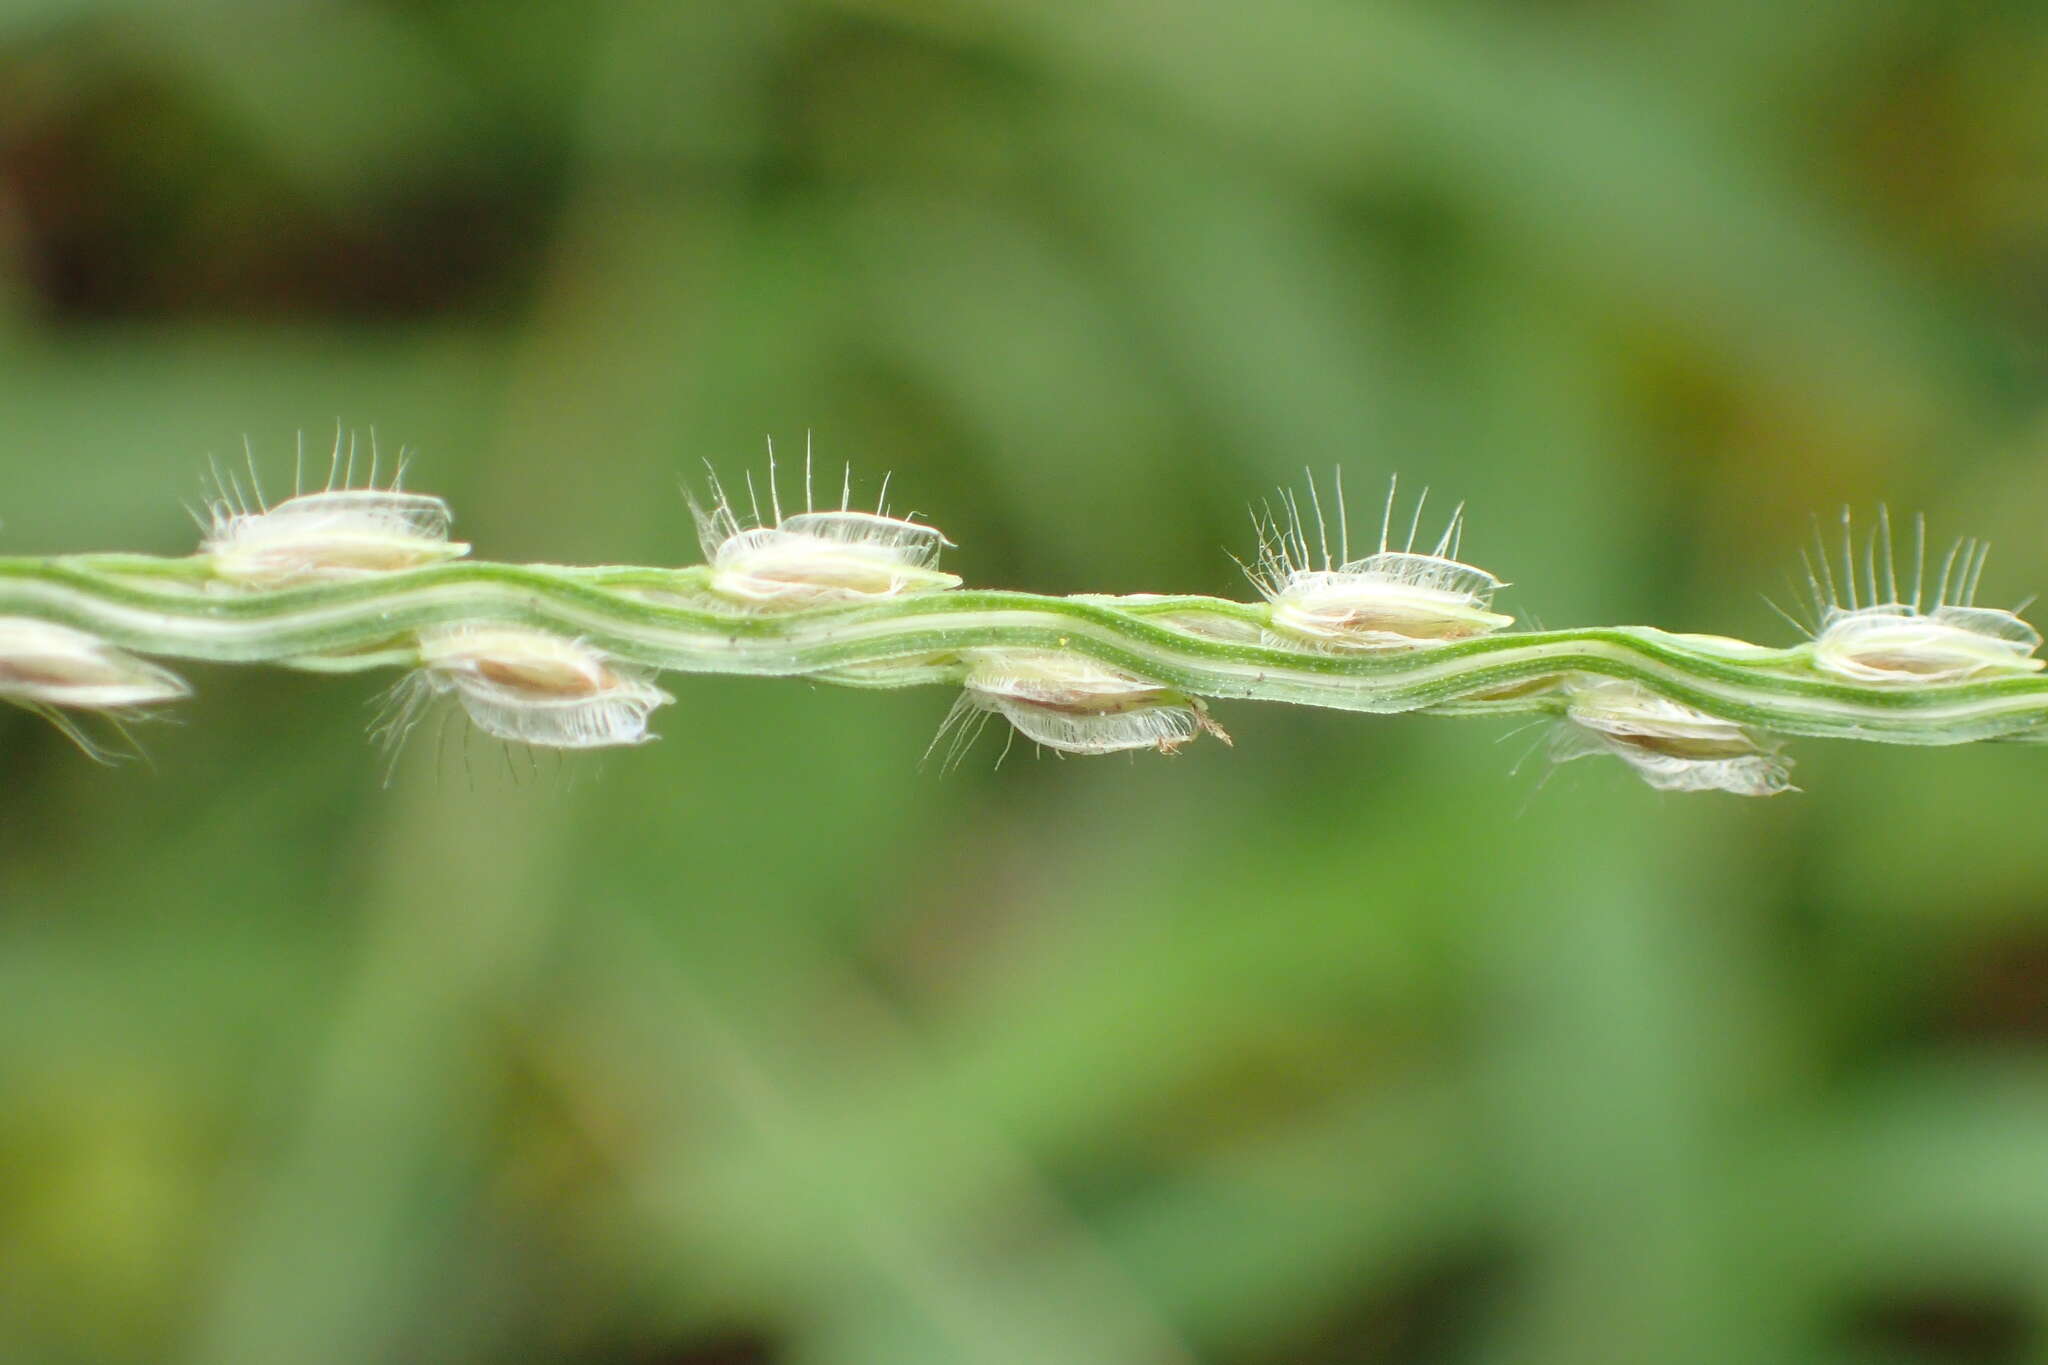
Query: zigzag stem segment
[670, 620]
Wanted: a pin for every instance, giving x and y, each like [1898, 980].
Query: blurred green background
[762, 1046]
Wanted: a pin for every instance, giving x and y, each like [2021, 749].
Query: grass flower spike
[566, 657]
[810, 557]
[1390, 599]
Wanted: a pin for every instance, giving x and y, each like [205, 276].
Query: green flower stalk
[355, 579]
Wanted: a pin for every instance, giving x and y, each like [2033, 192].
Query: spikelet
[1868, 636]
[43, 664]
[531, 687]
[1390, 599]
[334, 534]
[1074, 705]
[815, 557]
[1671, 746]
[53, 670]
